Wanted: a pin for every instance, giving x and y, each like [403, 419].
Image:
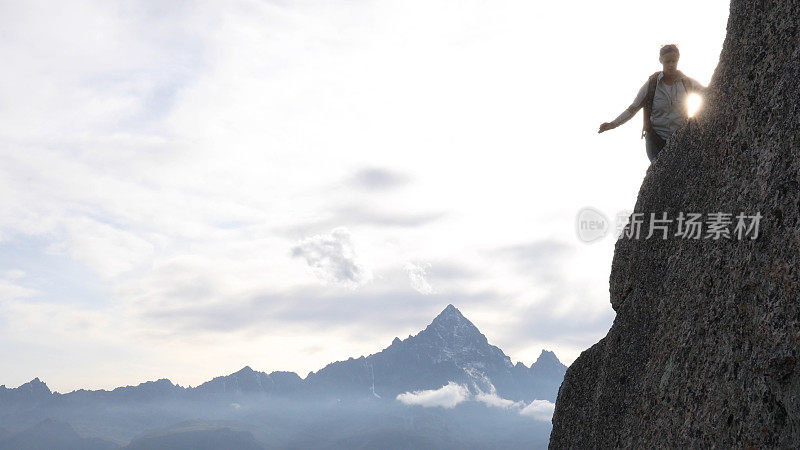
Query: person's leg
[654, 144]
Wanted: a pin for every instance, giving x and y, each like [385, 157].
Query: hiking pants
[654, 144]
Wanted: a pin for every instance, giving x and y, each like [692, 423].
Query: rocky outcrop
[705, 348]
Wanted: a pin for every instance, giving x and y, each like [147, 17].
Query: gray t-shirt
[670, 108]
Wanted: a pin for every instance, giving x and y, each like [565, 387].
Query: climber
[664, 99]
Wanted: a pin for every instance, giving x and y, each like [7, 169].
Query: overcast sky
[190, 187]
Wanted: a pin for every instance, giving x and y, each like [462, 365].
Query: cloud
[374, 178]
[447, 396]
[416, 274]
[357, 215]
[540, 258]
[11, 291]
[369, 311]
[451, 270]
[108, 250]
[370, 216]
[495, 401]
[489, 396]
[14, 274]
[452, 394]
[542, 323]
[566, 304]
[43, 321]
[333, 258]
[539, 410]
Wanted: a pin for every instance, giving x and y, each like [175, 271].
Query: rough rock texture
[705, 348]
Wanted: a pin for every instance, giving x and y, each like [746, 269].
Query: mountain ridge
[450, 348]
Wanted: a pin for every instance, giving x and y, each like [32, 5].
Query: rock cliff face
[705, 347]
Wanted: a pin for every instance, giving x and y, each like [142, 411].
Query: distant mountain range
[449, 350]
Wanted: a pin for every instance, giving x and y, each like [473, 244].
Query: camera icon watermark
[591, 225]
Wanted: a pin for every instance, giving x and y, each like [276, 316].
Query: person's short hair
[668, 48]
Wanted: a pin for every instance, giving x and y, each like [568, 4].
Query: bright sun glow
[694, 104]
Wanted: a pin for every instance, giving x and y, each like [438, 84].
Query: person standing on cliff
[664, 99]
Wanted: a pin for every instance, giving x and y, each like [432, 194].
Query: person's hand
[605, 126]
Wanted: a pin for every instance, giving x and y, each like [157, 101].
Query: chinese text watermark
[591, 225]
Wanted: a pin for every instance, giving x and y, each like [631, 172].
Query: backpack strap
[687, 85]
[648, 103]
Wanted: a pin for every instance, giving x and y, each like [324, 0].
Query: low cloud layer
[539, 410]
[495, 401]
[447, 396]
[452, 394]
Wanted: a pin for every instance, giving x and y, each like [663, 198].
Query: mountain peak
[452, 337]
[35, 385]
[450, 309]
[451, 319]
[244, 371]
[548, 363]
[450, 314]
[547, 356]
[451, 323]
[449, 349]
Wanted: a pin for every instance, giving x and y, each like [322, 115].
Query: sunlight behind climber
[668, 97]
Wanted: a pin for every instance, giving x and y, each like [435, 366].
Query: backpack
[651, 93]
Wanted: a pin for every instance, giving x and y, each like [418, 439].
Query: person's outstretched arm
[697, 87]
[637, 104]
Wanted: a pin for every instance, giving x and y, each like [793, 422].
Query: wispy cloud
[417, 276]
[11, 291]
[107, 250]
[357, 214]
[14, 274]
[353, 216]
[365, 311]
[540, 259]
[495, 401]
[333, 258]
[378, 179]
